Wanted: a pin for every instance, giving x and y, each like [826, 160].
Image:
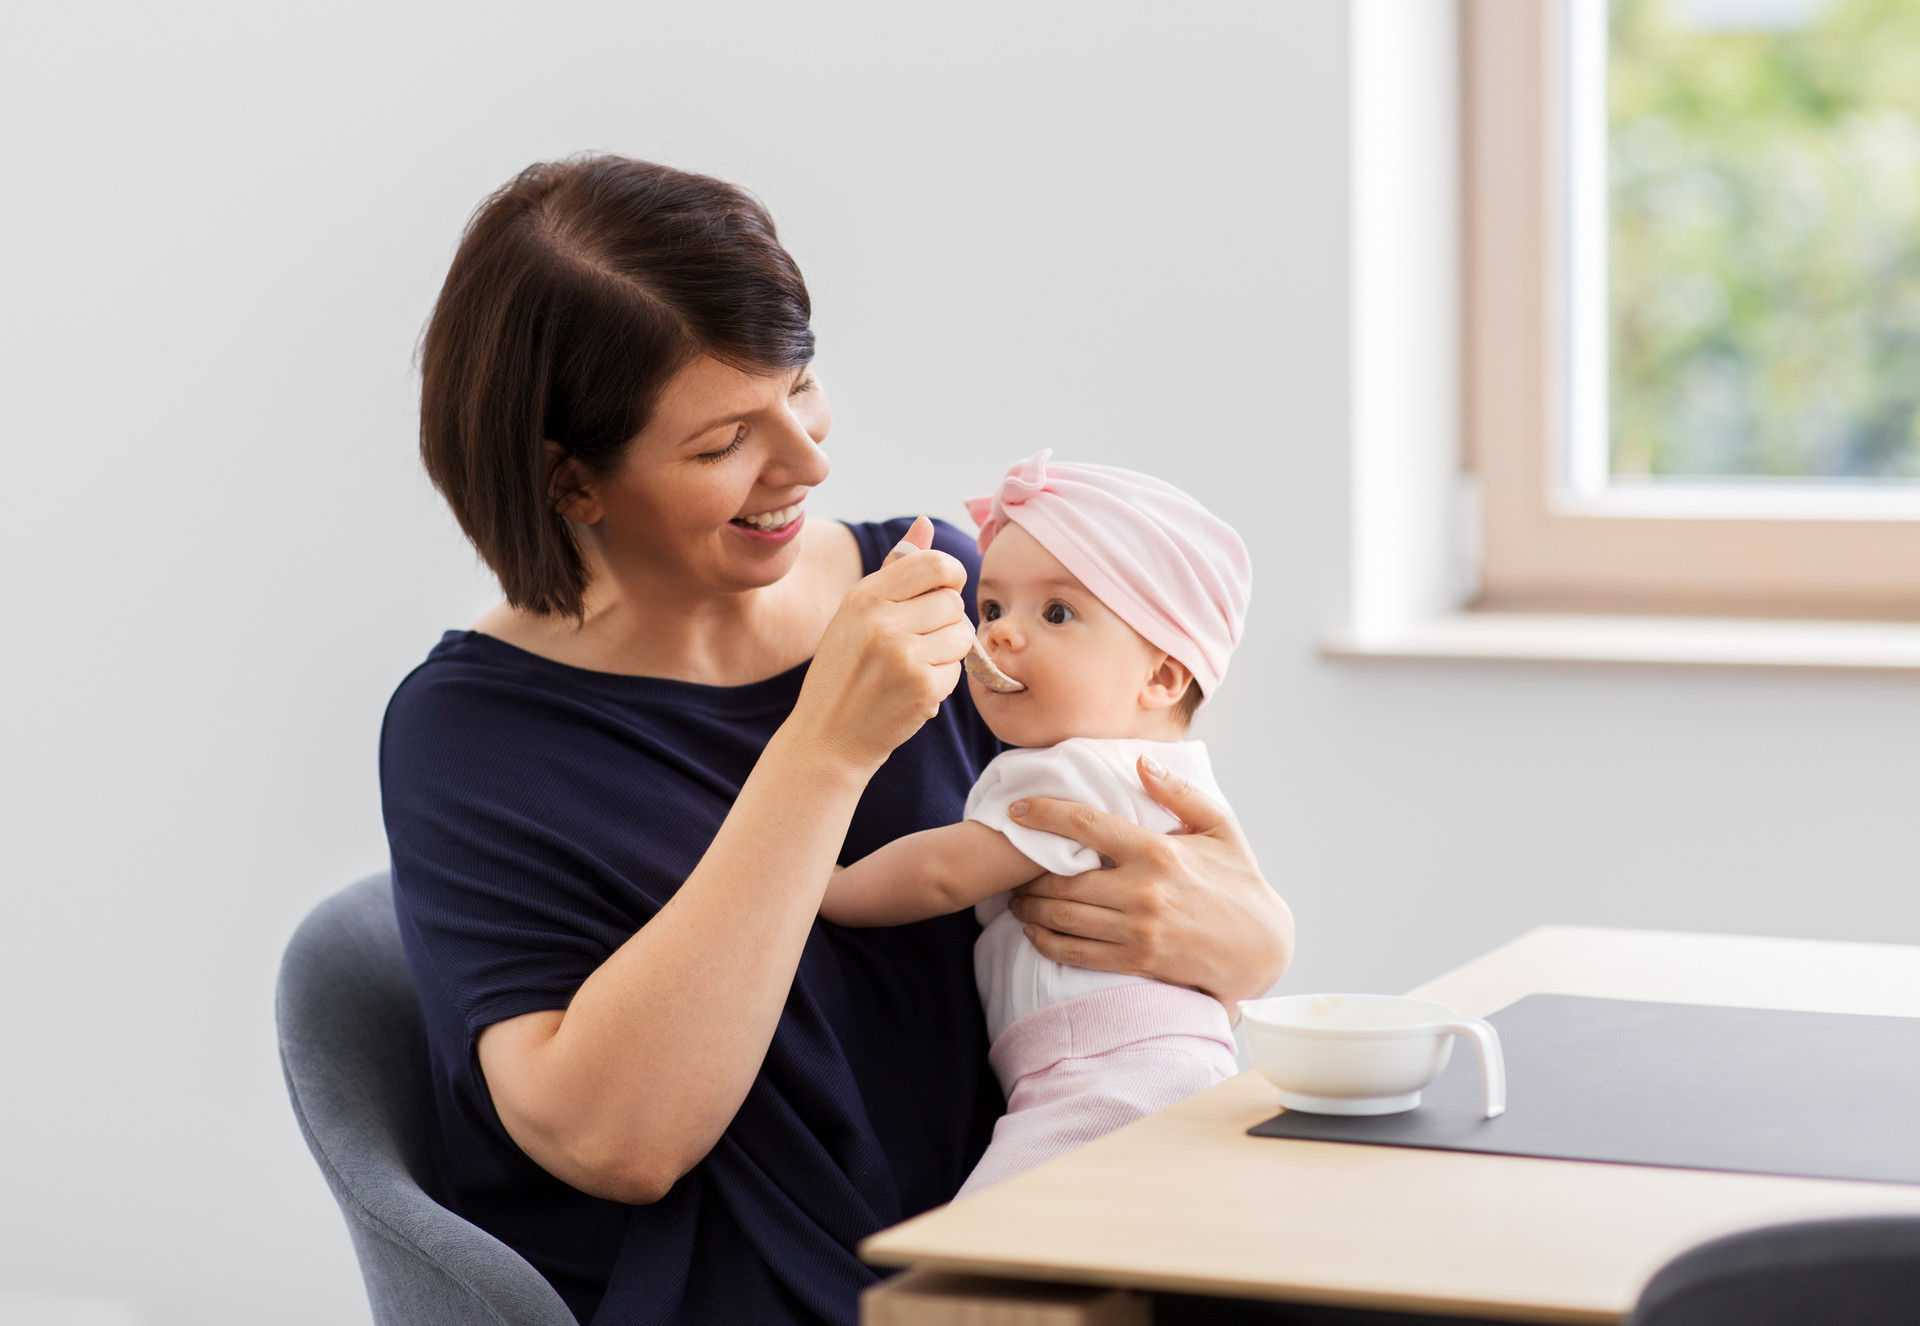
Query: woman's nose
[796, 458]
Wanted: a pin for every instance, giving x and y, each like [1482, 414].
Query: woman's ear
[1166, 683]
[569, 487]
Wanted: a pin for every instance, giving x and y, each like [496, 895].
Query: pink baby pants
[1079, 1069]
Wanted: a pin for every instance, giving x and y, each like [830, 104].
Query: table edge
[1264, 1290]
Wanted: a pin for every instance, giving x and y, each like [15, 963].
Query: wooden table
[1185, 1201]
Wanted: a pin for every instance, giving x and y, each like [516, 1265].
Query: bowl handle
[1493, 1067]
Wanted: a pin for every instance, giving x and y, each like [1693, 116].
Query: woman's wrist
[817, 761]
[1264, 958]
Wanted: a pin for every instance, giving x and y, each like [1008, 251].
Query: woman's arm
[631, 1085]
[925, 874]
[1188, 909]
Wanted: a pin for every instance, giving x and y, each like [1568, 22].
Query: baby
[1116, 600]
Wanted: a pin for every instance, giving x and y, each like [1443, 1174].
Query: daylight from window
[1763, 241]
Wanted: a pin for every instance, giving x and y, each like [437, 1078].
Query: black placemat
[1759, 1091]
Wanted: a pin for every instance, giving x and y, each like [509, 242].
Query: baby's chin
[1024, 719]
[1018, 719]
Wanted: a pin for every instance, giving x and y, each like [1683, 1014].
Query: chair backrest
[355, 1060]
[1855, 1272]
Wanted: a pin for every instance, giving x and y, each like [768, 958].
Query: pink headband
[1167, 566]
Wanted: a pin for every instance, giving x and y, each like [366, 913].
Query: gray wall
[1118, 230]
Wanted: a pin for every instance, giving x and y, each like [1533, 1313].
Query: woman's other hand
[890, 655]
[1185, 908]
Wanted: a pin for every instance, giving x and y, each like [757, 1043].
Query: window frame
[1544, 545]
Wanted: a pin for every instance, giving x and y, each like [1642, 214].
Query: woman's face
[711, 493]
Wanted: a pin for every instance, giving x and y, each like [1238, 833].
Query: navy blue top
[538, 815]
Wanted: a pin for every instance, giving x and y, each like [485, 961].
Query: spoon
[981, 667]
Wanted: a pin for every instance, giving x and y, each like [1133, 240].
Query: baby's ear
[1166, 683]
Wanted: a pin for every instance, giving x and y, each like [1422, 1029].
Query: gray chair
[356, 1065]
[1856, 1272]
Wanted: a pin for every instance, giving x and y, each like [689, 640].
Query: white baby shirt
[1013, 977]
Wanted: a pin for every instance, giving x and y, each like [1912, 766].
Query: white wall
[1116, 229]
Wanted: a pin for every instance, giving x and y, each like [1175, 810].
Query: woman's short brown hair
[577, 292]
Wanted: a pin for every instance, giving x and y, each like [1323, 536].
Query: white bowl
[1363, 1054]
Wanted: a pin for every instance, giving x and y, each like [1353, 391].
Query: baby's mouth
[768, 521]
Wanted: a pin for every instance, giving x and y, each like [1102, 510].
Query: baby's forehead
[1022, 576]
[1027, 580]
[1017, 560]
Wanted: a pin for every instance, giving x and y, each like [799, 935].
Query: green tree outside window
[1764, 250]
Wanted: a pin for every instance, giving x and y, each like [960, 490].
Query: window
[1692, 304]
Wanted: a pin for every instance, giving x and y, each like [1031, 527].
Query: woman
[614, 804]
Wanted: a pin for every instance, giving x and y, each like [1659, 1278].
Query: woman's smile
[776, 526]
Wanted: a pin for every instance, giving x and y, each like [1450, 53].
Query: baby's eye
[1057, 614]
[989, 611]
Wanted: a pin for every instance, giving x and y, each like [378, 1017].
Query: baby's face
[1086, 672]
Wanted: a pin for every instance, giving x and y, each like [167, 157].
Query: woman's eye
[728, 449]
[806, 383]
[1057, 614]
[989, 611]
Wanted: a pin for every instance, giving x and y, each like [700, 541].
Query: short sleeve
[503, 899]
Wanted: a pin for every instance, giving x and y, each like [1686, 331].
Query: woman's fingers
[948, 644]
[922, 573]
[1137, 915]
[1105, 889]
[1106, 834]
[910, 571]
[918, 538]
[933, 611]
[1086, 920]
[1198, 811]
[1075, 951]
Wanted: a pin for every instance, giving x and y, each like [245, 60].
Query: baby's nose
[999, 634]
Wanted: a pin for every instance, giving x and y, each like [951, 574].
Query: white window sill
[1827, 646]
